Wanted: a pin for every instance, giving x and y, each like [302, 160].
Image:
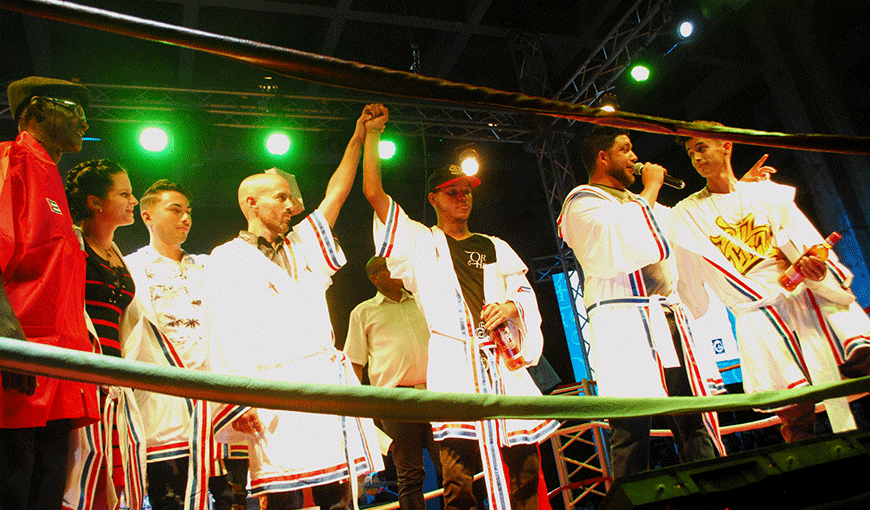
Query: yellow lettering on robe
[759, 238]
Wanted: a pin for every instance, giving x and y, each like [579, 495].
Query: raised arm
[342, 180]
[372, 185]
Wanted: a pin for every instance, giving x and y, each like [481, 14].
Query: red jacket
[44, 273]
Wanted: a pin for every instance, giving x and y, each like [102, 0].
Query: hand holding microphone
[669, 180]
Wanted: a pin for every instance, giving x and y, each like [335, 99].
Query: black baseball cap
[449, 174]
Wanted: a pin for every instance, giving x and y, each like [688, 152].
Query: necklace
[715, 197]
[107, 252]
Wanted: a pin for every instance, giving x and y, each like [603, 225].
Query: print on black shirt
[469, 256]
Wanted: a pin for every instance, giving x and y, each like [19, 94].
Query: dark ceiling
[773, 65]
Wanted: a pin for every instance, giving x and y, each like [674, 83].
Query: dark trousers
[33, 466]
[409, 441]
[237, 485]
[629, 437]
[328, 496]
[167, 481]
[460, 461]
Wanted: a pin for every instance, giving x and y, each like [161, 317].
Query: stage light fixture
[640, 73]
[267, 85]
[469, 161]
[278, 144]
[686, 29]
[608, 102]
[153, 139]
[386, 149]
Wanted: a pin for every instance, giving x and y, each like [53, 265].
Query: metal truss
[557, 178]
[267, 109]
[551, 148]
[580, 450]
[631, 34]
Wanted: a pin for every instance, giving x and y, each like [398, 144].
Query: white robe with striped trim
[459, 361]
[263, 322]
[781, 344]
[420, 257]
[630, 340]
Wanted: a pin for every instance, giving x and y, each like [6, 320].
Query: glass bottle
[792, 276]
[508, 340]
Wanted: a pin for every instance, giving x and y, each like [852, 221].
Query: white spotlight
[686, 29]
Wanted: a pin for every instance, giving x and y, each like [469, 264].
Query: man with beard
[266, 316]
[630, 296]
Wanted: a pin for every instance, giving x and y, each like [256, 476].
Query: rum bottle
[508, 340]
[792, 276]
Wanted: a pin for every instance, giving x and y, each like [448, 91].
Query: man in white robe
[463, 302]
[169, 287]
[640, 335]
[738, 237]
[266, 316]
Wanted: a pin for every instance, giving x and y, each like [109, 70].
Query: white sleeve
[356, 343]
[397, 240]
[690, 283]
[611, 238]
[836, 286]
[530, 316]
[323, 254]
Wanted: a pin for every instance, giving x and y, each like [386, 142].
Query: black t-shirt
[469, 256]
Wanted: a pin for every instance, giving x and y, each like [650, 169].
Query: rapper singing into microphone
[738, 238]
[641, 343]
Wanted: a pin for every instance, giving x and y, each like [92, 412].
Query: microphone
[669, 180]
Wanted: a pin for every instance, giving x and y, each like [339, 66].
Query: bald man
[266, 316]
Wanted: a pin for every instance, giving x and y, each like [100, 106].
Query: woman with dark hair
[101, 200]
[111, 454]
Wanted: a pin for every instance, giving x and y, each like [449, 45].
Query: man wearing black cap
[473, 291]
[42, 299]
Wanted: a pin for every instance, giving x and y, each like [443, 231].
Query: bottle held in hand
[792, 276]
[508, 340]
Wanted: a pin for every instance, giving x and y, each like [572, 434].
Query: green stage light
[153, 139]
[640, 73]
[278, 144]
[386, 149]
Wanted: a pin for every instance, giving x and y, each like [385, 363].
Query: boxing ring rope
[373, 79]
[397, 404]
[392, 403]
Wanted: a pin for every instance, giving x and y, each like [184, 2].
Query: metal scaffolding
[270, 109]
